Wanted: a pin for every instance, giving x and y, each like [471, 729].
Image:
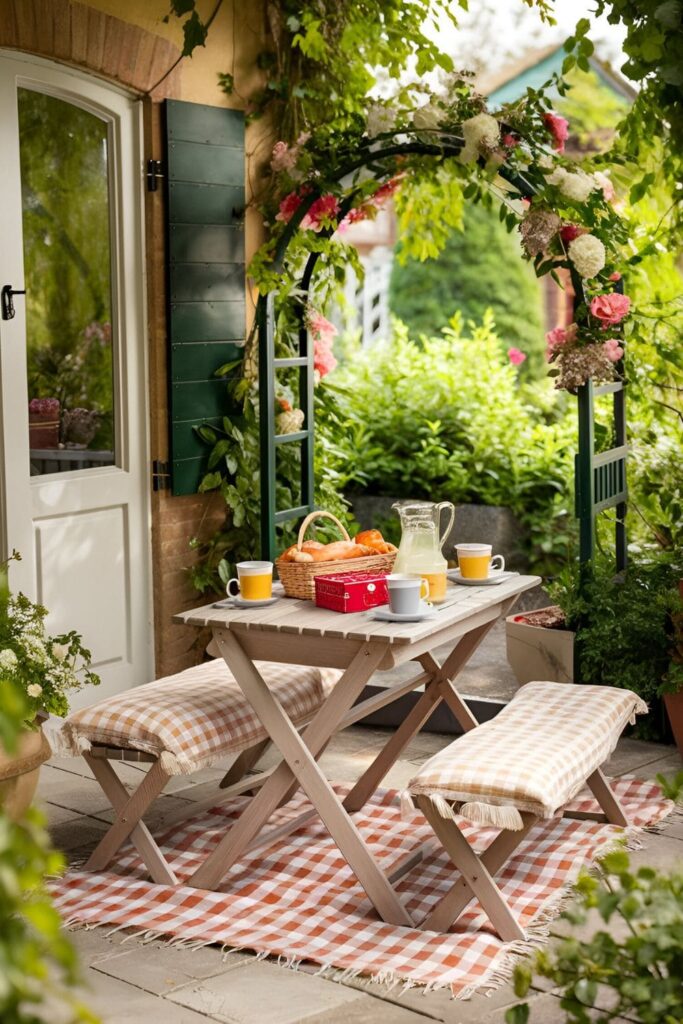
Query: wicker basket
[298, 578]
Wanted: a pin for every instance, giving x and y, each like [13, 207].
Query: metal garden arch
[600, 479]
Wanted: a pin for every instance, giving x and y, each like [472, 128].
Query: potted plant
[42, 669]
[540, 646]
[622, 627]
[43, 422]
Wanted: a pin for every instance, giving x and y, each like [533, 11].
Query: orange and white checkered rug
[299, 900]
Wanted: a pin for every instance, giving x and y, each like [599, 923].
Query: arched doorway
[73, 414]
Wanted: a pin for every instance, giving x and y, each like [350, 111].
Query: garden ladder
[271, 516]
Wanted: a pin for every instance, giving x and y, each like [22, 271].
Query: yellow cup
[476, 562]
[437, 585]
[254, 581]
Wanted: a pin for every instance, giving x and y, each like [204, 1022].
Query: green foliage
[36, 958]
[637, 977]
[447, 419]
[480, 268]
[44, 668]
[626, 623]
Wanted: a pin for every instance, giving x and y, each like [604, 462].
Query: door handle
[8, 311]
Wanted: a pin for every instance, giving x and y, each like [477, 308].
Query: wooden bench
[526, 763]
[179, 725]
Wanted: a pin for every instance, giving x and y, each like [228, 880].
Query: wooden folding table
[296, 632]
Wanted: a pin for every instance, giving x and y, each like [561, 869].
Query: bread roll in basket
[298, 577]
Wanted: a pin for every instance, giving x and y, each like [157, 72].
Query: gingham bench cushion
[535, 755]
[196, 716]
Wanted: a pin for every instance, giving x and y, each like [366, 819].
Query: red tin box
[351, 591]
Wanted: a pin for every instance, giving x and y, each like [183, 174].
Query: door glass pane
[67, 265]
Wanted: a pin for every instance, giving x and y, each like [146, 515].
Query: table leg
[299, 753]
[438, 688]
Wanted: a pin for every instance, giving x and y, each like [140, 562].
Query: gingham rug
[299, 900]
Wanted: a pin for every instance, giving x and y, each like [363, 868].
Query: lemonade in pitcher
[421, 542]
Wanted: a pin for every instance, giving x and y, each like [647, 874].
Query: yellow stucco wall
[235, 39]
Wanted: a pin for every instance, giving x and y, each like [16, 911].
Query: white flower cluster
[480, 132]
[8, 660]
[587, 253]
[427, 118]
[381, 118]
[576, 185]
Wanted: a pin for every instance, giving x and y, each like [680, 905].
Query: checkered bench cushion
[535, 755]
[196, 716]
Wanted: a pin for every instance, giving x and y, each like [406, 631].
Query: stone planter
[19, 772]
[490, 524]
[535, 652]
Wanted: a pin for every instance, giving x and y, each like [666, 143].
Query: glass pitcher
[421, 537]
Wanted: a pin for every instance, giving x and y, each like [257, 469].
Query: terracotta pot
[19, 772]
[674, 709]
[536, 653]
[43, 430]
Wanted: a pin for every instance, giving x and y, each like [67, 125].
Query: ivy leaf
[585, 991]
[517, 1014]
[181, 7]
[194, 31]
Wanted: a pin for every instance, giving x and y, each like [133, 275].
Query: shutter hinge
[154, 173]
[161, 475]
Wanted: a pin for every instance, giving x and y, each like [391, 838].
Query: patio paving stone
[159, 968]
[262, 993]
[116, 1002]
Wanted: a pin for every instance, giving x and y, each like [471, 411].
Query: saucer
[496, 577]
[240, 602]
[385, 614]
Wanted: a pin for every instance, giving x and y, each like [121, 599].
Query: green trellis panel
[206, 273]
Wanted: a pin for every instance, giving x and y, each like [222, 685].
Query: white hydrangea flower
[60, 651]
[380, 119]
[587, 253]
[427, 118]
[34, 690]
[480, 132]
[35, 648]
[8, 660]
[576, 185]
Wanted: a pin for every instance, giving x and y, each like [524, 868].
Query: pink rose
[386, 191]
[516, 356]
[613, 350]
[606, 185]
[558, 337]
[320, 327]
[510, 141]
[616, 276]
[284, 157]
[558, 128]
[610, 309]
[323, 358]
[323, 209]
[571, 231]
[288, 207]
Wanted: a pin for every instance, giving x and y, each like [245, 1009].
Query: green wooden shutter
[206, 273]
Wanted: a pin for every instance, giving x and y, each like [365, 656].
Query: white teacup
[406, 592]
[476, 562]
[254, 581]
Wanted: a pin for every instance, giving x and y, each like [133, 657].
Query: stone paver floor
[126, 980]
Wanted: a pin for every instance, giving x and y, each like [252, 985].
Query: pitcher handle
[439, 507]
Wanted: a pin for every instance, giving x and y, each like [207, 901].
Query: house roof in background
[535, 67]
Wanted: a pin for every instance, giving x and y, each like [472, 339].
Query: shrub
[448, 419]
[480, 268]
[637, 977]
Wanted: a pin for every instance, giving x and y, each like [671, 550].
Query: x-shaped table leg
[299, 763]
[438, 688]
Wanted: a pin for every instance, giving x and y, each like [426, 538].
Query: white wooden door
[73, 485]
